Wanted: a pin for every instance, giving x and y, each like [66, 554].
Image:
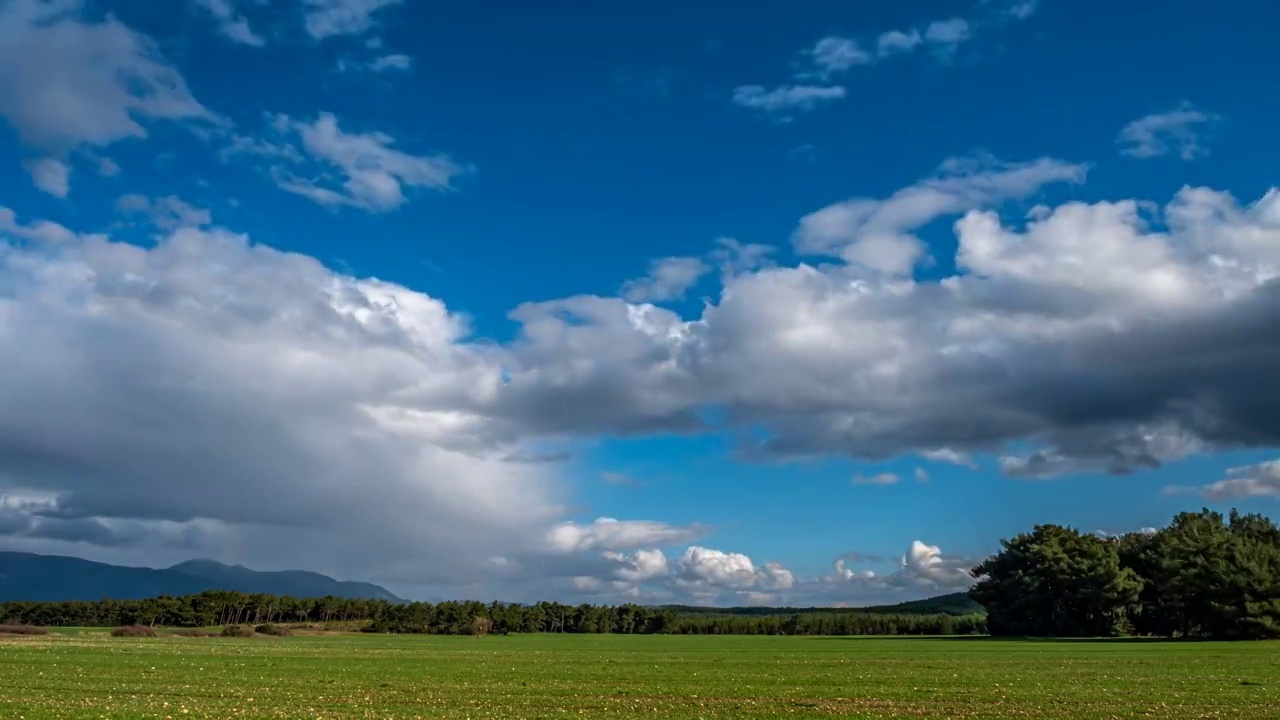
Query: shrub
[134, 631]
[23, 630]
[194, 633]
[237, 631]
[273, 629]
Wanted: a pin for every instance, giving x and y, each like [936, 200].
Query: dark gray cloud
[1082, 341]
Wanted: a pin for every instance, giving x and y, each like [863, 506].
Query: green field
[91, 675]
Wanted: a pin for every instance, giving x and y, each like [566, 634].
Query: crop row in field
[92, 675]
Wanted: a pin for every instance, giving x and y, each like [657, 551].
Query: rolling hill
[952, 604]
[27, 576]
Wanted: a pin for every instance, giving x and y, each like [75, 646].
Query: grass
[88, 674]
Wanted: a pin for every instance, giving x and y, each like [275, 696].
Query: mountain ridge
[36, 577]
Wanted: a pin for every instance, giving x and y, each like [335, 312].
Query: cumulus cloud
[72, 83]
[40, 231]
[1249, 481]
[610, 534]
[1079, 340]
[157, 387]
[336, 168]
[707, 569]
[668, 279]
[921, 571]
[879, 233]
[50, 175]
[640, 566]
[329, 18]
[231, 23]
[786, 100]
[1180, 131]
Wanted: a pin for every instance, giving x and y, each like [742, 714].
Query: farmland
[88, 674]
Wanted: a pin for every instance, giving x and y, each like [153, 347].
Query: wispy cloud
[786, 100]
[668, 279]
[1181, 131]
[231, 23]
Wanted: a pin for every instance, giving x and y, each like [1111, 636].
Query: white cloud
[165, 213]
[709, 569]
[74, 82]
[640, 566]
[879, 234]
[232, 24]
[1078, 340]
[107, 167]
[1249, 481]
[337, 168]
[668, 279]
[607, 534]
[1180, 131]
[923, 563]
[1022, 9]
[41, 231]
[50, 175]
[833, 55]
[921, 475]
[921, 571]
[886, 478]
[165, 384]
[895, 42]
[786, 99]
[947, 35]
[391, 62]
[735, 258]
[947, 455]
[329, 18]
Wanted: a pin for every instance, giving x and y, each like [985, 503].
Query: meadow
[88, 674]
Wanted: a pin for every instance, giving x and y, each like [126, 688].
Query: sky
[804, 303]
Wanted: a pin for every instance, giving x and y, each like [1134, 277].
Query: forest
[1202, 576]
[215, 607]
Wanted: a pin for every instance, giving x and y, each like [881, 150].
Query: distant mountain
[953, 604]
[27, 576]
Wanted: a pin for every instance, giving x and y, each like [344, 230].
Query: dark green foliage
[1211, 577]
[1056, 582]
[1202, 576]
[241, 612]
[134, 631]
[273, 629]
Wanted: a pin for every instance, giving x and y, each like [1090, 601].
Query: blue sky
[777, 282]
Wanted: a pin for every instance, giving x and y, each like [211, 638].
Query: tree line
[1203, 576]
[227, 608]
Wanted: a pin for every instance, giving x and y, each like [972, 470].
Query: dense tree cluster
[1202, 576]
[459, 618]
